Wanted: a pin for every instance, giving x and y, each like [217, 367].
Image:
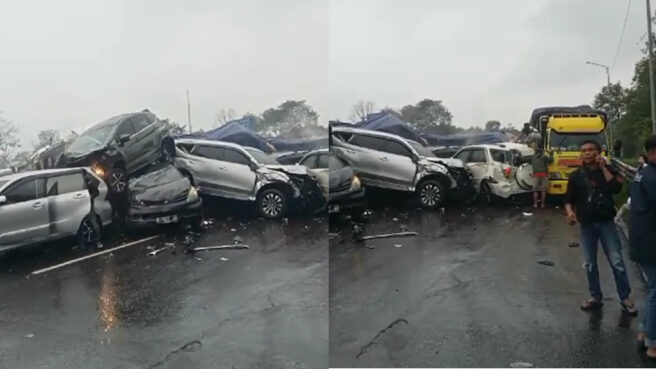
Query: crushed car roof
[196, 141]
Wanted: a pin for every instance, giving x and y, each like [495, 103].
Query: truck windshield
[573, 141]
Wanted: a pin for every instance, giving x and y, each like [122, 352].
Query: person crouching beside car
[540, 163]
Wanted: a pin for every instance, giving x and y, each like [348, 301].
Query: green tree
[493, 126]
[288, 116]
[9, 143]
[361, 110]
[429, 114]
[47, 137]
[611, 99]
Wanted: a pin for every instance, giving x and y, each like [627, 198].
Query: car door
[25, 213]
[477, 162]
[69, 202]
[399, 169]
[146, 140]
[205, 168]
[129, 148]
[237, 174]
[369, 161]
[310, 161]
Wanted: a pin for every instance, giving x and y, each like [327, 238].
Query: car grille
[182, 197]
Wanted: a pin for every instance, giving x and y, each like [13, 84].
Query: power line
[619, 45]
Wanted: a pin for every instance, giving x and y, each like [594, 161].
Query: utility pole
[610, 123]
[188, 111]
[651, 69]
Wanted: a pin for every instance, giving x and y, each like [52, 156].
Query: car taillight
[507, 172]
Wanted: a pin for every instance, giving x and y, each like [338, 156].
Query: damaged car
[163, 195]
[244, 173]
[118, 147]
[346, 192]
[498, 170]
[46, 205]
[389, 161]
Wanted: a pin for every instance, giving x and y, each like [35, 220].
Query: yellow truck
[563, 130]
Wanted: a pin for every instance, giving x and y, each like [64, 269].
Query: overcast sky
[69, 63]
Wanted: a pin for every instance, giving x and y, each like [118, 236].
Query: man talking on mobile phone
[589, 201]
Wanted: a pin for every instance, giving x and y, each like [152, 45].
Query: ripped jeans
[591, 234]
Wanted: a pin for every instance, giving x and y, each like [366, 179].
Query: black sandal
[630, 310]
[591, 304]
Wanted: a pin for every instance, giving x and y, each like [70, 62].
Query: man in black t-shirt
[589, 201]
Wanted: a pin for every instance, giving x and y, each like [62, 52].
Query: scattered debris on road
[222, 247]
[388, 235]
[395, 219]
[521, 364]
[546, 262]
[573, 244]
[398, 246]
[155, 252]
[29, 335]
[237, 240]
[527, 214]
[224, 259]
[404, 228]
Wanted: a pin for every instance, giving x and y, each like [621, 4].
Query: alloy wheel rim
[272, 204]
[430, 194]
[118, 181]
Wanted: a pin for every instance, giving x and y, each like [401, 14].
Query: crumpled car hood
[160, 185]
[451, 162]
[290, 169]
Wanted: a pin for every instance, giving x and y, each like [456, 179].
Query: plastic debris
[398, 246]
[546, 262]
[521, 364]
[224, 259]
[285, 221]
[573, 244]
[222, 247]
[388, 235]
[237, 239]
[233, 230]
[395, 219]
[404, 227]
[29, 335]
[99, 245]
[155, 252]
[527, 214]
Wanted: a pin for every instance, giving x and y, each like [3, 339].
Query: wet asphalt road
[467, 291]
[265, 307]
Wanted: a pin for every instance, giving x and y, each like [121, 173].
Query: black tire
[430, 193]
[89, 232]
[272, 203]
[485, 193]
[117, 180]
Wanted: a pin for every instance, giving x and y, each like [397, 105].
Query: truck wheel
[118, 180]
[272, 203]
[430, 193]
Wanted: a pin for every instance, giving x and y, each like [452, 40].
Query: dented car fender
[267, 176]
[426, 168]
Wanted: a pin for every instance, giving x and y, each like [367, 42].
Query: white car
[49, 204]
[498, 169]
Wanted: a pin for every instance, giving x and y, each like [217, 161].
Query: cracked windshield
[301, 184]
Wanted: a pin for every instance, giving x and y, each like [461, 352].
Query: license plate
[333, 209]
[167, 220]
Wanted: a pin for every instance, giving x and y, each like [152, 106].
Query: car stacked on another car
[45, 205]
[238, 172]
[118, 148]
[390, 161]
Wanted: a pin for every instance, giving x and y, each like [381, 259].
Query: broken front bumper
[346, 202]
[139, 216]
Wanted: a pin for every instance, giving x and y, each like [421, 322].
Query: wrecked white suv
[238, 172]
[498, 169]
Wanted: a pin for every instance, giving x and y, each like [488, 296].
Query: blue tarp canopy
[235, 132]
[465, 139]
[299, 144]
[390, 123]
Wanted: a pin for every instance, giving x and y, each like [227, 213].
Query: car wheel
[89, 232]
[272, 203]
[118, 180]
[430, 193]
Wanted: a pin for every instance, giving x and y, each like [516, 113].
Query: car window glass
[322, 161]
[232, 156]
[500, 156]
[463, 155]
[24, 191]
[477, 156]
[209, 152]
[343, 136]
[67, 183]
[125, 128]
[185, 147]
[310, 161]
[368, 142]
[396, 148]
[140, 122]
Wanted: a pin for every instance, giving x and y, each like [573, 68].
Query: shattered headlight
[355, 184]
[98, 169]
[192, 195]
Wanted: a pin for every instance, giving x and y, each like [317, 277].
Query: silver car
[389, 161]
[238, 172]
[50, 204]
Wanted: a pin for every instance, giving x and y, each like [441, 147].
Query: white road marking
[40, 271]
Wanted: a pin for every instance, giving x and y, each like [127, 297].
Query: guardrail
[627, 171]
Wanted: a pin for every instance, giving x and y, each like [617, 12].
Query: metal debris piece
[237, 240]
[29, 335]
[233, 230]
[333, 235]
[99, 245]
[395, 219]
[404, 227]
[150, 247]
[371, 247]
[521, 364]
[222, 247]
[198, 259]
[224, 259]
[442, 210]
[526, 214]
[546, 262]
[388, 235]
[169, 244]
[573, 244]
[398, 246]
[155, 252]
[285, 221]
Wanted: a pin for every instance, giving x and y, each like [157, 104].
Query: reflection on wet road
[261, 307]
[468, 291]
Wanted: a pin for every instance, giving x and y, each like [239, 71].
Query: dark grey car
[118, 147]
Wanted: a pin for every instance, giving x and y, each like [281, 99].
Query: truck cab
[563, 131]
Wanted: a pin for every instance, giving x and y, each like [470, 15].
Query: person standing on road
[642, 240]
[589, 201]
[540, 163]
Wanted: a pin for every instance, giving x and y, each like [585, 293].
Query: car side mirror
[122, 139]
[3, 200]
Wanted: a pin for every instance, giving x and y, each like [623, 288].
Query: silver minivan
[45, 205]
